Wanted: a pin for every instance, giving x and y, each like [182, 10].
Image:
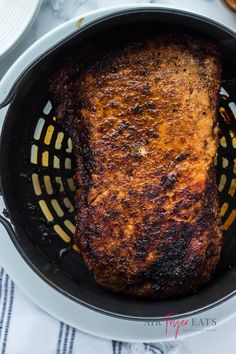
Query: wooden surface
[231, 4]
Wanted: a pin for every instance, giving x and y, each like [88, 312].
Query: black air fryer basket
[37, 169]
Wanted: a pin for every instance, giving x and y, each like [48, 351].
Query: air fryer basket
[37, 170]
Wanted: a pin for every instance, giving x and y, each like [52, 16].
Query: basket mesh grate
[52, 163]
[52, 179]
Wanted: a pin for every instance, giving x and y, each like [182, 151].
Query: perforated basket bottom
[53, 186]
[52, 168]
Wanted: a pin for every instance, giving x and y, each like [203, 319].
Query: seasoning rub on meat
[142, 117]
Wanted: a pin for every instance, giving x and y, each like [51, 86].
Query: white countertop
[53, 12]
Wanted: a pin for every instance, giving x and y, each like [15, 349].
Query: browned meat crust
[142, 120]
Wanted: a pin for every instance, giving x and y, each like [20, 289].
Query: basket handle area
[9, 98]
[4, 218]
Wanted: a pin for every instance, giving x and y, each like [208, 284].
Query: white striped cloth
[26, 329]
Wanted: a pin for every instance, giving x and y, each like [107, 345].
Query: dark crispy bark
[142, 118]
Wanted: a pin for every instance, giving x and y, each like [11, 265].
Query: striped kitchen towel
[26, 329]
